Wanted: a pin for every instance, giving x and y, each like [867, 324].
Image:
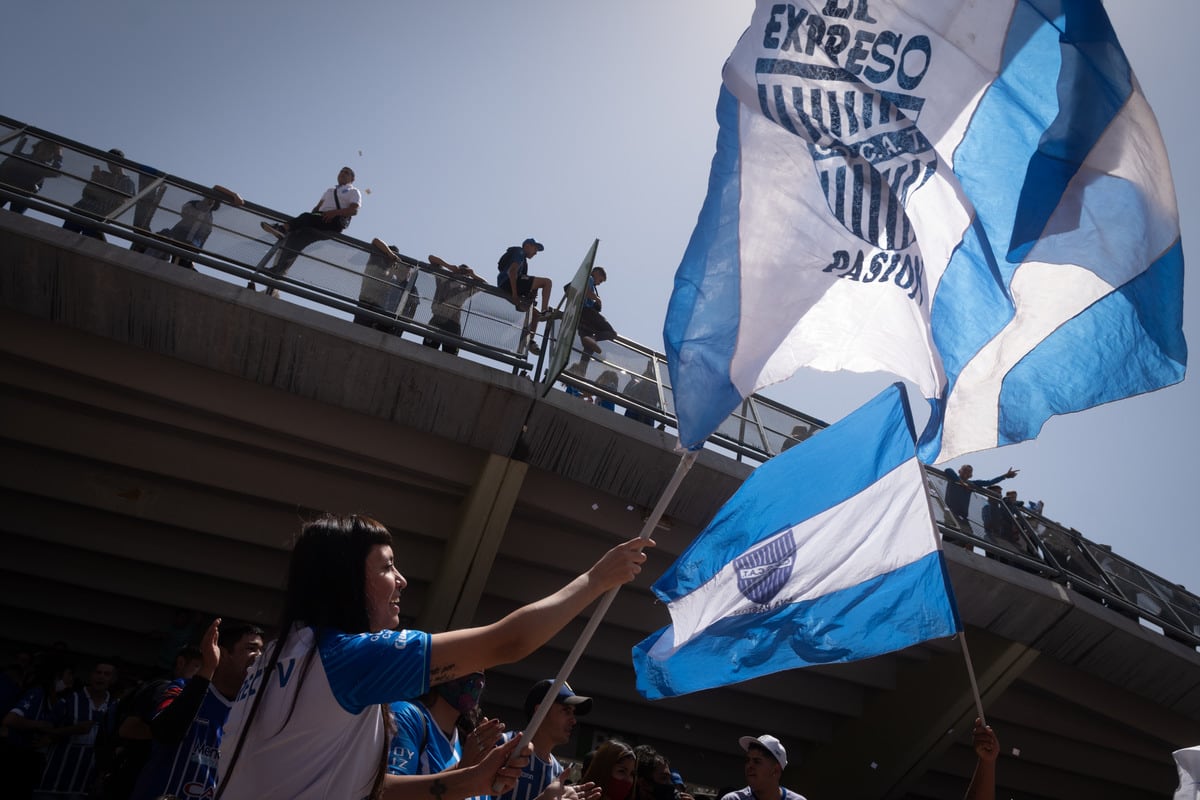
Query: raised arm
[457, 653]
[987, 748]
[178, 707]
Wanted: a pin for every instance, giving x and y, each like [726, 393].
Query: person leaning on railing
[24, 174]
[331, 215]
[102, 194]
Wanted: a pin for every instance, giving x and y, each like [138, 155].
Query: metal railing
[1021, 537]
[175, 220]
[197, 227]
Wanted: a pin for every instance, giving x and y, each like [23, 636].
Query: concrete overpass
[164, 433]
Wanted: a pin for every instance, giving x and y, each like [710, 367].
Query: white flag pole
[962, 635]
[962, 639]
[668, 494]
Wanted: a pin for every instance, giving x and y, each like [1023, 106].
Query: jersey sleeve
[371, 668]
[147, 699]
[177, 709]
[404, 756]
[27, 706]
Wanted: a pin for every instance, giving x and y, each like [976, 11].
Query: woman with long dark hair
[612, 768]
[312, 719]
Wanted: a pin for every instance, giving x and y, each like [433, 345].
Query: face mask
[617, 789]
[463, 693]
[664, 791]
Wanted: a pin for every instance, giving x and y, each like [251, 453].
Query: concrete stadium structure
[164, 433]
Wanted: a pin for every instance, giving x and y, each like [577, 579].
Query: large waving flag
[972, 196]
[827, 553]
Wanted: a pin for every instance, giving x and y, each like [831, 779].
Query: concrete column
[471, 550]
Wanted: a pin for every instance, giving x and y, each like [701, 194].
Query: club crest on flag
[764, 570]
[869, 154]
[792, 573]
[996, 162]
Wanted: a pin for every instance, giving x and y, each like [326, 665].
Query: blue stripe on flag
[1064, 82]
[864, 446]
[882, 615]
[1100, 374]
[701, 327]
[991, 163]
[1093, 83]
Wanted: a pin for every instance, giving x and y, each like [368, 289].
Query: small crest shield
[764, 570]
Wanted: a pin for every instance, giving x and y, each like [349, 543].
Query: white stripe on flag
[853, 538]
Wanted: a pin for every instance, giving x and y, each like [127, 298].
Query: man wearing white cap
[766, 759]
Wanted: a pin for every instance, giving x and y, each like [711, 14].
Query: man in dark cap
[513, 278]
[555, 730]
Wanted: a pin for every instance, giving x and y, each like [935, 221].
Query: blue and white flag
[827, 553]
[972, 196]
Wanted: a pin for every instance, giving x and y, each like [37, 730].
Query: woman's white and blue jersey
[319, 731]
[419, 746]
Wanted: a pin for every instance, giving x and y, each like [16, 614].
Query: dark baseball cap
[566, 696]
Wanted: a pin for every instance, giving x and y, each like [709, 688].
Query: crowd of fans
[343, 703]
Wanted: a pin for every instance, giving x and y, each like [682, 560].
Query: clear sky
[475, 124]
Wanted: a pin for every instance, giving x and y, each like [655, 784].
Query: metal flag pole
[668, 494]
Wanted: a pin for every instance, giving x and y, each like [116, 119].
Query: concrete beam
[901, 733]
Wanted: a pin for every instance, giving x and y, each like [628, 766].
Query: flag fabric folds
[827, 553]
[974, 197]
[1187, 761]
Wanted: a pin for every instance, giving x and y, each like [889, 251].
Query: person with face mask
[612, 767]
[653, 778]
[427, 740]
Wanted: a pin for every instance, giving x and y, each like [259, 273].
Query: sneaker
[534, 348]
[275, 230]
[547, 316]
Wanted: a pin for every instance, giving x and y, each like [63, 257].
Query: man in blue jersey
[125, 740]
[513, 278]
[766, 759]
[190, 719]
[75, 718]
[593, 327]
[555, 730]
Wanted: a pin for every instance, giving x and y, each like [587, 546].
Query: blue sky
[474, 124]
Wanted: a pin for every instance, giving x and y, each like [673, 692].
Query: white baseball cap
[768, 743]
